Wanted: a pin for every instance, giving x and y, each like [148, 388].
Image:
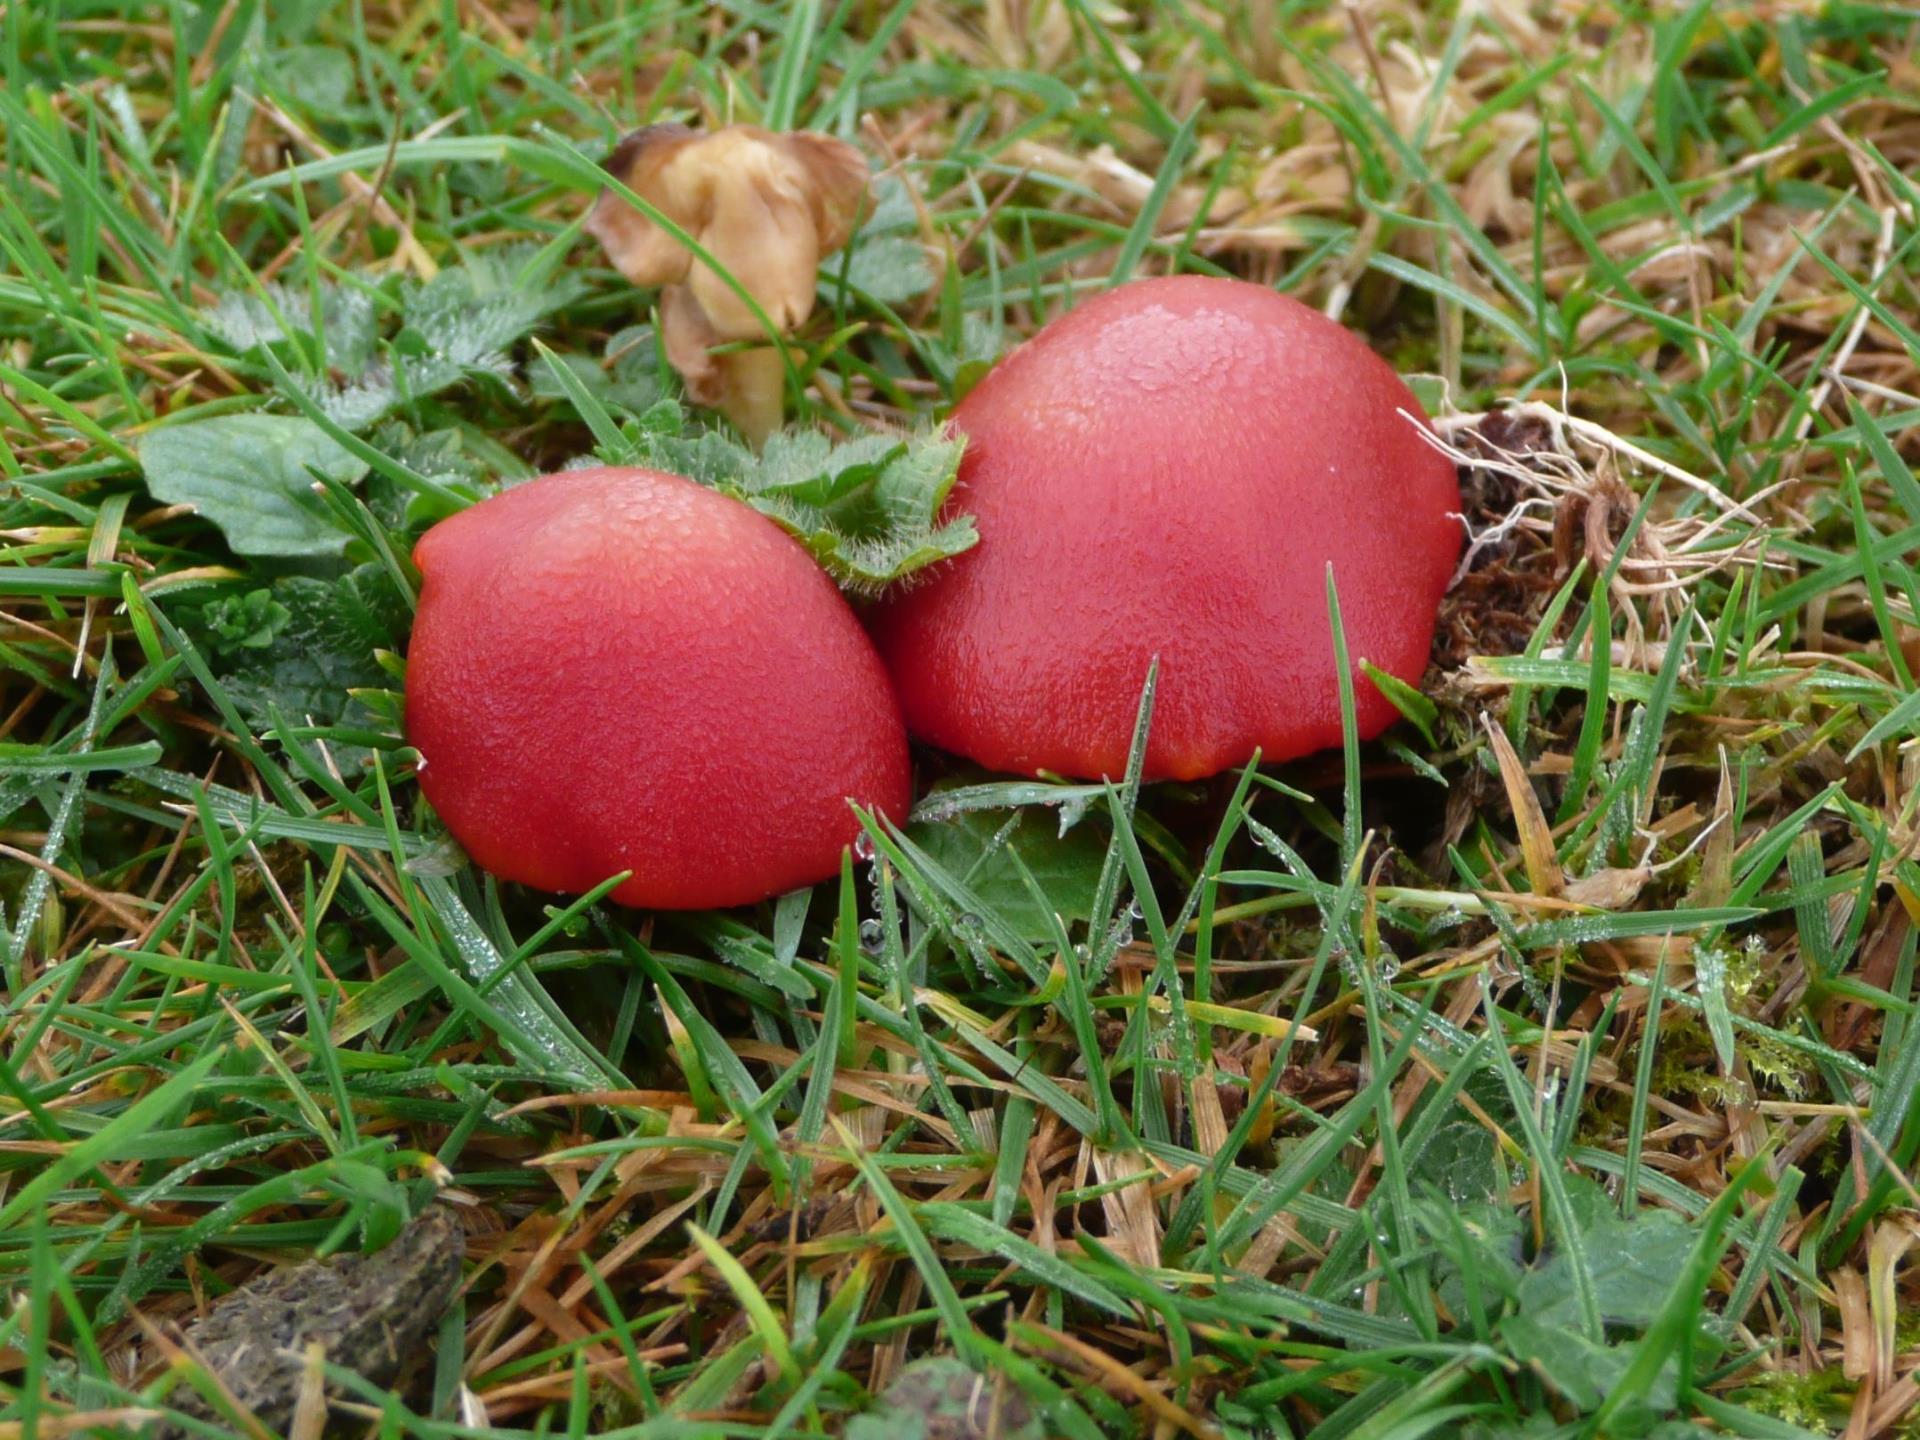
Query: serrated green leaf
[869, 510]
[710, 457]
[324, 647]
[249, 319]
[459, 325]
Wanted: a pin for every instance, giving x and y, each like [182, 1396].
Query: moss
[1818, 1402]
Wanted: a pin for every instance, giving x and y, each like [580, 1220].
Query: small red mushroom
[1167, 471]
[618, 669]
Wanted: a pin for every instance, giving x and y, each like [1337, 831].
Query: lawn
[1546, 1066]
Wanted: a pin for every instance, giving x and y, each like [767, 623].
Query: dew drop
[1073, 811]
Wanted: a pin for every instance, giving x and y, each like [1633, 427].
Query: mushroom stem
[753, 391]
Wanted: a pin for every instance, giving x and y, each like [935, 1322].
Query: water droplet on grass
[1073, 811]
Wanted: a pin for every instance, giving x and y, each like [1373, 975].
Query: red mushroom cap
[622, 670]
[1167, 470]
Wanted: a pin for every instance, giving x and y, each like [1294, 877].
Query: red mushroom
[1167, 471]
[622, 670]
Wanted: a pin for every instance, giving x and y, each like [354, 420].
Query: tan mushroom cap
[766, 207]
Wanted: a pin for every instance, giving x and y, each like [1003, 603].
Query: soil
[372, 1313]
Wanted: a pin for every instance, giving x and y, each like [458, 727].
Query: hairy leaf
[869, 509]
[322, 649]
[458, 326]
[250, 319]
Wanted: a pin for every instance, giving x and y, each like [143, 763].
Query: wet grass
[1547, 1067]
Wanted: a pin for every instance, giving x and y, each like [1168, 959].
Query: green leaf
[322, 649]
[1070, 802]
[1458, 1159]
[1066, 867]
[628, 377]
[272, 313]
[1479, 1246]
[1632, 1263]
[940, 1395]
[887, 268]
[245, 622]
[1678, 1319]
[1576, 1367]
[458, 326]
[1406, 699]
[250, 475]
[572, 385]
[869, 510]
[470, 315]
[318, 77]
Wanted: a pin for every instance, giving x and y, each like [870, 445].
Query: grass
[1548, 1067]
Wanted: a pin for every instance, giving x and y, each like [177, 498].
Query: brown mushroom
[766, 207]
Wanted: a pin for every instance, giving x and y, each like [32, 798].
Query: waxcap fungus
[1166, 472]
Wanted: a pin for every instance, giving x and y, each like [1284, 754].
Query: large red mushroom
[1167, 470]
[619, 669]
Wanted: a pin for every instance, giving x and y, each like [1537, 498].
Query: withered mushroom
[766, 207]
